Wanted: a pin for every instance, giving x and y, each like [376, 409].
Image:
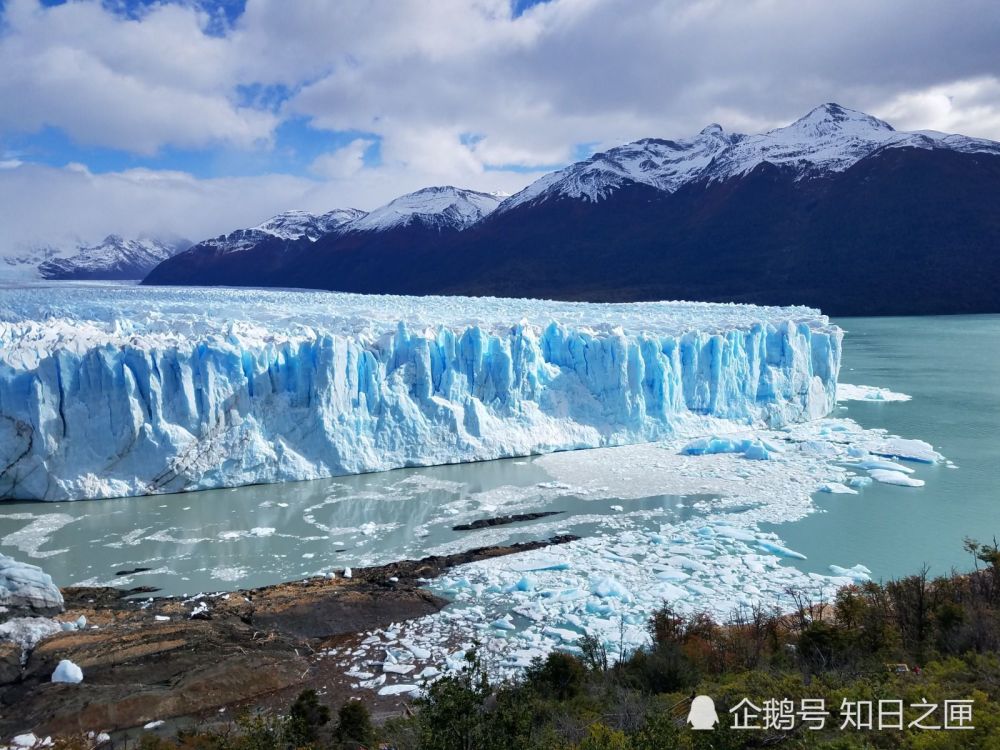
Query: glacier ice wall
[125, 402]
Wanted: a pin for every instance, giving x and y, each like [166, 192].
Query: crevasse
[131, 413]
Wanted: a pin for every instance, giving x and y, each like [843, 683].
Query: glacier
[110, 391]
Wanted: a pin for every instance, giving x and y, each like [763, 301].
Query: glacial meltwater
[950, 365]
[250, 536]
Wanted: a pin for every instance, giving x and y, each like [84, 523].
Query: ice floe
[849, 392]
[714, 557]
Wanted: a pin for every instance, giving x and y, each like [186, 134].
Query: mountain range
[113, 258]
[837, 210]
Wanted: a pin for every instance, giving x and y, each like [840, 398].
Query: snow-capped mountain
[22, 264]
[444, 207]
[837, 210]
[828, 139]
[275, 248]
[293, 225]
[290, 225]
[113, 258]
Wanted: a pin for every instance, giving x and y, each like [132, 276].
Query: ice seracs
[146, 391]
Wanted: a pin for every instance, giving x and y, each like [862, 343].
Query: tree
[354, 725]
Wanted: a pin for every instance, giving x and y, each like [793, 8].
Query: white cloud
[344, 162]
[454, 90]
[136, 85]
[969, 107]
[46, 205]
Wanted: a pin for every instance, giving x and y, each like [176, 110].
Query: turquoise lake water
[950, 365]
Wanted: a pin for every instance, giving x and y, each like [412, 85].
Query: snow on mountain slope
[830, 138]
[113, 258]
[434, 207]
[118, 391]
[22, 264]
[290, 225]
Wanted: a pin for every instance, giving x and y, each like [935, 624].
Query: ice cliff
[114, 391]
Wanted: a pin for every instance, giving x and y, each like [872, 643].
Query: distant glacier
[109, 391]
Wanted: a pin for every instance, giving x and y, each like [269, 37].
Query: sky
[195, 117]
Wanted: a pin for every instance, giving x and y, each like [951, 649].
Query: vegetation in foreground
[849, 653]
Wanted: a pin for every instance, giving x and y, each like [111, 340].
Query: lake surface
[950, 365]
[224, 539]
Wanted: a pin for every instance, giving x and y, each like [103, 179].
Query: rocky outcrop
[146, 659]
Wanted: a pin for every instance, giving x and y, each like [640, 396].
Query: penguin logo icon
[702, 714]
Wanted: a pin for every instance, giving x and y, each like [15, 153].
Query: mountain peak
[295, 224]
[438, 207]
[829, 138]
[832, 117]
[114, 257]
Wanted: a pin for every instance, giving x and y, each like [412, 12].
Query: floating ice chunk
[373, 683]
[779, 550]
[25, 740]
[672, 574]
[68, 672]
[859, 481]
[731, 532]
[754, 449]
[708, 445]
[525, 583]
[819, 448]
[907, 448]
[687, 563]
[670, 592]
[262, 531]
[503, 624]
[418, 652]
[757, 452]
[399, 690]
[858, 573]
[567, 636]
[608, 587]
[849, 392]
[540, 565]
[601, 609]
[398, 668]
[876, 463]
[836, 488]
[895, 477]
[154, 724]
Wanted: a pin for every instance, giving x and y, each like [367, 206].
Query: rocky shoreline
[149, 658]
